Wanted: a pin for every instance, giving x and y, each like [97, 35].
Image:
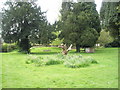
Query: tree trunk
[77, 48]
[24, 45]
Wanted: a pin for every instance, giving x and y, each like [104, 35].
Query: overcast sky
[52, 7]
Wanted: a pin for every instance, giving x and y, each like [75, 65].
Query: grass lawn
[17, 74]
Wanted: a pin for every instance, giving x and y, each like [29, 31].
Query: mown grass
[17, 74]
[0, 71]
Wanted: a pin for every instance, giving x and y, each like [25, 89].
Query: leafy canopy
[80, 23]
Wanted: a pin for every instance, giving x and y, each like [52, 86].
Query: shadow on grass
[44, 53]
[55, 52]
[73, 51]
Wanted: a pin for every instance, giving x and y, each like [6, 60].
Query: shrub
[8, 47]
[115, 43]
[4, 48]
[76, 61]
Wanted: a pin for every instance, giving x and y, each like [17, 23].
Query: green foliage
[4, 48]
[46, 36]
[115, 43]
[8, 47]
[57, 41]
[89, 39]
[76, 61]
[110, 17]
[104, 38]
[79, 23]
[20, 20]
[23, 22]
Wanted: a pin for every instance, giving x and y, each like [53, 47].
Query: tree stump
[64, 49]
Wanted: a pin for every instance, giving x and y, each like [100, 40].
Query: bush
[115, 43]
[76, 61]
[104, 38]
[8, 47]
[4, 48]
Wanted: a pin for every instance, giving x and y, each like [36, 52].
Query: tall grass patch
[76, 61]
[72, 61]
[37, 61]
[42, 61]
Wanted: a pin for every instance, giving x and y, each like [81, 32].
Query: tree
[23, 22]
[57, 41]
[110, 12]
[81, 24]
[104, 38]
[44, 36]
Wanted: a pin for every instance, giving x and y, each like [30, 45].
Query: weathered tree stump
[64, 49]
